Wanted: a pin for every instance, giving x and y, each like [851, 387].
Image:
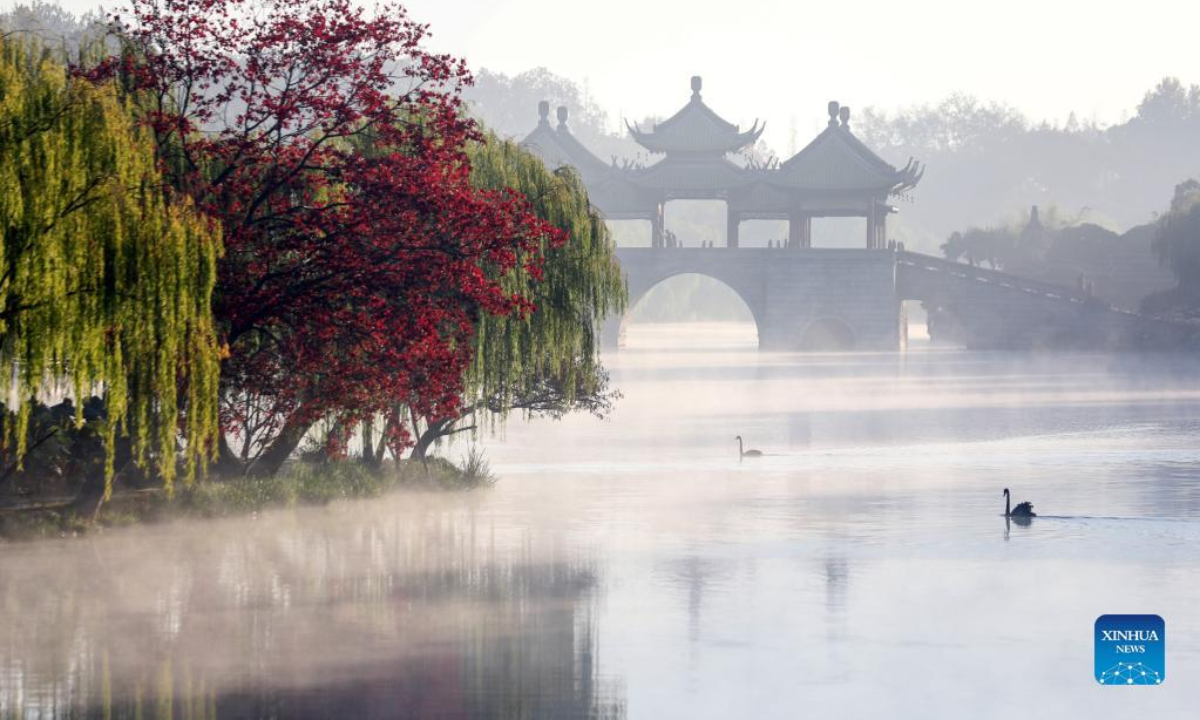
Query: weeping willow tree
[105, 276]
[547, 362]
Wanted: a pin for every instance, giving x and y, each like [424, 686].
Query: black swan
[1024, 509]
[747, 453]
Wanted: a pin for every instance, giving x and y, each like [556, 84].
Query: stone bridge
[819, 299]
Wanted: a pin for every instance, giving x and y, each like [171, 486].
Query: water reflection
[324, 614]
[636, 568]
[1018, 521]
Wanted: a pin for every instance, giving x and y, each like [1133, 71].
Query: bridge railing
[1162, 328]
[997, 278]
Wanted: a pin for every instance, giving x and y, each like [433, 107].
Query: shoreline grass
[299, 484]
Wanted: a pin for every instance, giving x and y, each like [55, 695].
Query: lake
[635, 567]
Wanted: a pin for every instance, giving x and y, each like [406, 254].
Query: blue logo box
[1131, 650]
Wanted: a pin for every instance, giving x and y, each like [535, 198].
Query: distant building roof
[691, 174]
[836, 160]
[695, 130]
[558, 146]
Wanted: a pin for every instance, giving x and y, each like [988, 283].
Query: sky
[783, 61]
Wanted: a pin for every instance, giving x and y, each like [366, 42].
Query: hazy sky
[781, 60]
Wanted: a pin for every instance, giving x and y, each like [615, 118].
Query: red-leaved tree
[358, 256]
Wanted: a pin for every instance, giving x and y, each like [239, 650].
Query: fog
[776, 60]
[635, 568]
[640, 565]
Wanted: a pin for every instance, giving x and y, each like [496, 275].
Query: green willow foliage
[105, 277]
[582, 283]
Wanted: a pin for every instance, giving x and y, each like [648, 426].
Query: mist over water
[635, 567]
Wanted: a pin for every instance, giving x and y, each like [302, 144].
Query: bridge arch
[828, 333]
[642, 287]
[784, 290]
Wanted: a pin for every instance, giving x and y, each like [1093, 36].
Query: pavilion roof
[837, 160]
[558, 146]
[696, 129]
[759, 195]
[690, 174]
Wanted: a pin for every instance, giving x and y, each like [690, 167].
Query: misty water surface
[635, 568]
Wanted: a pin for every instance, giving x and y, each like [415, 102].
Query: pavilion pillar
[656, 227]
[734, 224]
[872, 232]
[876, 225]
[799, 231]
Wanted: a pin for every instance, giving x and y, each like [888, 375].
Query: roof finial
[697, 83]
[544, 111]
[844, 115]
[562, 116]
[833, 113]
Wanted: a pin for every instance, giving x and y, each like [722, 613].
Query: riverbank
[297, 485]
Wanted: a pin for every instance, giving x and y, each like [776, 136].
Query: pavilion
[836, 175]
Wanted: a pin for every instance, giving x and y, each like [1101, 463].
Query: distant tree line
[1154, 267]
[986, 159]
[1119, 268]
[1177, 242]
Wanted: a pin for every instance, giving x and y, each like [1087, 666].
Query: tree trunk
[382, 446]
[424, 441]
[90, 498]
[368, 442]
[391, 429]
[337, 442]
[436, 430]
[228, 465]
[282, 447]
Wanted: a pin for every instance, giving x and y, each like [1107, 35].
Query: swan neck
[1007, 500]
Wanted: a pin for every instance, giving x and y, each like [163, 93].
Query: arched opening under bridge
[827, 334]
[689, 310]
